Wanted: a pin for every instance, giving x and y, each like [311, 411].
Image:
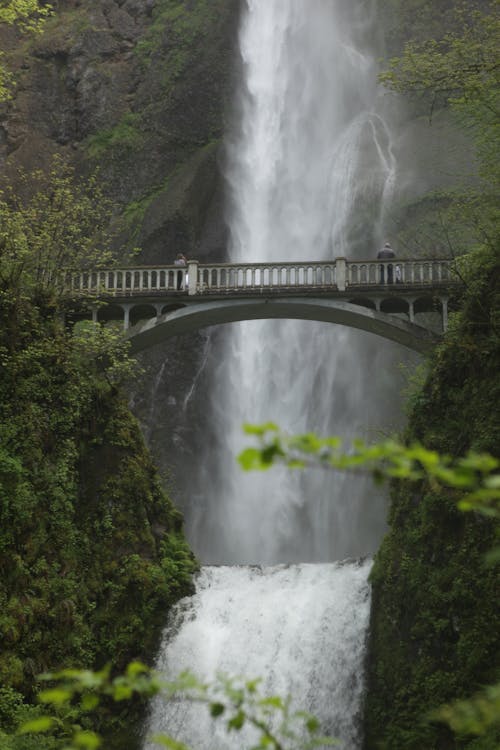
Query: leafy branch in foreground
[474, 715]
[477, 474]
[238, 703]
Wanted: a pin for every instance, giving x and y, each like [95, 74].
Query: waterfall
[299, 627]
[310, 172]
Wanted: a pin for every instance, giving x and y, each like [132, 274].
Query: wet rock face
[70, 80]
[138, 88]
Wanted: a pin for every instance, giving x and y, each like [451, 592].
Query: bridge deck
[361, 294]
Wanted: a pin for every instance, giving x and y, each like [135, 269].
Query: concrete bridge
[381, 297]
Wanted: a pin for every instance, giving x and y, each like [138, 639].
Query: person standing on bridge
[385, 254]
[180, 261]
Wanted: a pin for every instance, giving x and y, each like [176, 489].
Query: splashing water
[301, 626]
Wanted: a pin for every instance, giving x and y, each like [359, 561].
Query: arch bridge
[381, 297]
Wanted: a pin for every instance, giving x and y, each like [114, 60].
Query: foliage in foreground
[477, 477]
[237, 703]
[477, 473]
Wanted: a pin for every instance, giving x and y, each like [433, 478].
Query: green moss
[124, 136]
[175, 192]
[134, 212]
[182, 28]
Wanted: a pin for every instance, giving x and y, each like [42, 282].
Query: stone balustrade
[199, 279]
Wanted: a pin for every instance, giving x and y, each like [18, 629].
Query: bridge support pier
[444, 313]
[411, 310]
[126, 317]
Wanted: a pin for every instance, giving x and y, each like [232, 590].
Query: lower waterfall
[301, 628]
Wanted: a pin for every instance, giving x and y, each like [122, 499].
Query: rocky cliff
[138, 89]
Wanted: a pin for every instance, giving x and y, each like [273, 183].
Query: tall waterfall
[310, 170]
[310, 173]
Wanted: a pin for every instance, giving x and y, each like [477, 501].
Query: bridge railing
[198, 278]
[248, 276]
[126, 280]
[402, 271]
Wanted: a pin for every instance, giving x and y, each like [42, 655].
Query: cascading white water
[310, 171]
[300, 627]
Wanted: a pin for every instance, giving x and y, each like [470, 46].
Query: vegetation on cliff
[434, 632]
[28, 16]
[92, 553]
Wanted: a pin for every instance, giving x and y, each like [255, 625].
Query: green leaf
[136, 668]
[89, 702]
[122, 692]
[56, 696]
[312, 724]
[163, 739]
[216, 709]
[275, 701]
[41, 724]
[251, 459]
[87, 740]
[237, 721]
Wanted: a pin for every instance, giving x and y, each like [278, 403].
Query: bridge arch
[192, 317]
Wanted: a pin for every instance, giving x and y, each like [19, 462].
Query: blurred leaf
[41, 724]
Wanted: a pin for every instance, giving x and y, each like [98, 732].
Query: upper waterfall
[310, 170]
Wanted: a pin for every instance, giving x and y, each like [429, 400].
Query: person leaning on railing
[180, 261]
[386, 253]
